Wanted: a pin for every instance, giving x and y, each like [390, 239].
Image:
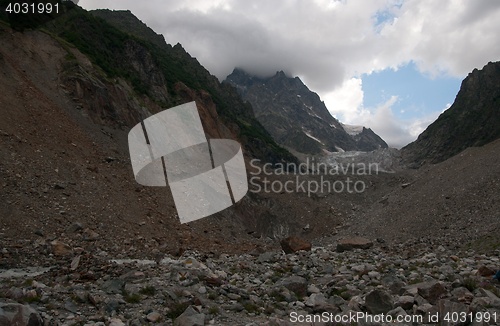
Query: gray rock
[235, 307]
[431, 291]
[266, 257]
[111, 306]
[378, 302]
[19, 315]
[113, 286]
[313, 289]
[447, 307]
[355, 303]
[353, 243]
[190, 317]
[393, 283]
[75, 262]
[399, 311]
[337, 300]
[296, 284]
[116, 322]
[488, 294]
[75, 227]
[405, 302]
[424, 309]
[315, 299]
[153, 317]
[462, 294]
[395, 313]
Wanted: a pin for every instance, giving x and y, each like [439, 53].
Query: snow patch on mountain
[312, 137]
[352, 130]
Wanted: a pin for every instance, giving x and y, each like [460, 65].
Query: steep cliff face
[472, 120]
[296, 117]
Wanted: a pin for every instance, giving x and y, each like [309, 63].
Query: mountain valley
[81, 243]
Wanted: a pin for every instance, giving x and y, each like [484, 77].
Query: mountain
[70, 92]
[160, 75]
[472, 120]
[296, 117]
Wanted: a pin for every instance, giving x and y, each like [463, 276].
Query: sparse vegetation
[212, 295]
[277, 296]
[32, 299]
[148, 290]
[251, 307]
[131, 297]
[28, 282]
[470, 284]
[213, 310]
[177, 309]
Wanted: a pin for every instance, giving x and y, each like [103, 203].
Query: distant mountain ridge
[296, 117]
[472, 120]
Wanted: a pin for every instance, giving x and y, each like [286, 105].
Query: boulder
[406, 302]
[431, 291]
[113, 286]
[316, 299]
[153, 317]
[18, 314]
[353, 243]
[60, 248]
[378, 302]
[447, 307]
[485, 271]
[296, 284]
[293, 244]
[393, 283]
[116, 322]
[190, 317]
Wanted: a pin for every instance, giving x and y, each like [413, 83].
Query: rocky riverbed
[259, 288]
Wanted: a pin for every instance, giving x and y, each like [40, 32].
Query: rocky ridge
[472, 120]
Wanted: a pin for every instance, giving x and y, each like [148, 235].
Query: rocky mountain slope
[166, 75]
[472, 120]
[297, 118]
[64, 119]
[455, 200]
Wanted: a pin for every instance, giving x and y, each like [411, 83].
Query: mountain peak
[281, 74]
[296, 117]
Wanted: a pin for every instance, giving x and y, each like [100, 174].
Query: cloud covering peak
[326, 42]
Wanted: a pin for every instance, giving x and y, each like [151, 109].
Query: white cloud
[328, 43]
[346, 103]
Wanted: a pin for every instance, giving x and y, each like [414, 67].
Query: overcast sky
[392, 65]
